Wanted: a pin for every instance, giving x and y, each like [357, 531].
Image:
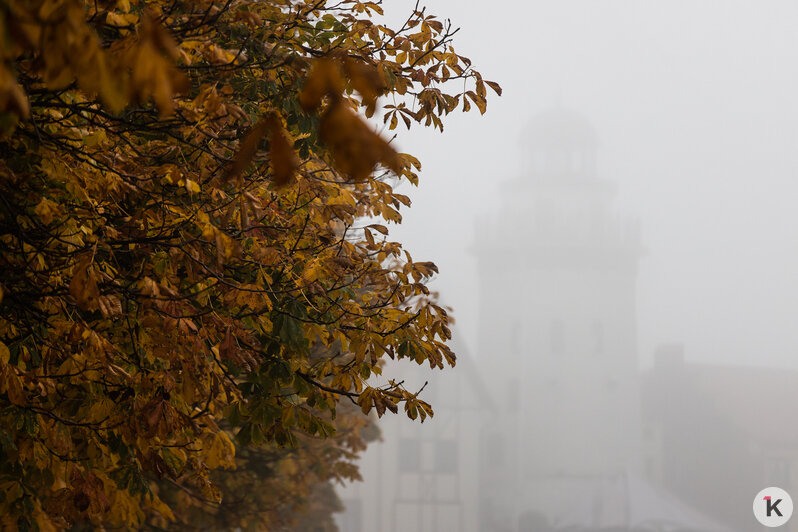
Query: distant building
[552, 427]
[715, 435]
[424, 477]
[558, 341]
[558, 322]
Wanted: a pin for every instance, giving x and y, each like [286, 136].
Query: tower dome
[561, 144]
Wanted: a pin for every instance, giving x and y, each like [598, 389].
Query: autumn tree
[196, 269]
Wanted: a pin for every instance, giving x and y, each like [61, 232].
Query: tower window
[446, 456]
[598, 337]
[409, 455]
[557, 337]
[513, 395]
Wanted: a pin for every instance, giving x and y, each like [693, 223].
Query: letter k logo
[772, 506]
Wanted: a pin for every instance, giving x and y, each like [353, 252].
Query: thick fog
[693, 106]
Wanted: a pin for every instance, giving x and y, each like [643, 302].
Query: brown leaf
[227, 346]
[153, 71]
[110, 306]
[355, 147]
[153, 31]
[426, 268]
[495, 86]
[11, 385]
[367, 80]
[324, 78]
[247, 149]
[379, 404]
[12, 97]
[282, 156]
[83, 286]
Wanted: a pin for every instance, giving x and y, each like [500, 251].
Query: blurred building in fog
[715, 435]
[558, 324]
[552, 426]
[424, 477]
[557, 275]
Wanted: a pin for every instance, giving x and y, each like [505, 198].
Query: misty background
[595, 392]
[695, 108]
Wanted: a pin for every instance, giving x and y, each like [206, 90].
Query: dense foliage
[196, 272]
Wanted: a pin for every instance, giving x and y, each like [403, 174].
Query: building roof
[651, 508]
[621, 502]
[757, 401]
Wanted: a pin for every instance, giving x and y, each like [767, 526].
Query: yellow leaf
[125, 509]
[115, 19]
[410, 160]
[5, 354]
[161, 507]
[221, 452]
[43, 520]
[14, 389]
[47, 210]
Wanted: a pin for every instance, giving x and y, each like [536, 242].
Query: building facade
[715, 435]
[557, 299]
[423, 477]
[551, 428]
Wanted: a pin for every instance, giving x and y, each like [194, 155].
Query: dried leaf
[247, 149]
[83, 286]
[282, 156]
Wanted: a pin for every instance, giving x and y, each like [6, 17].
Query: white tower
[557, 274]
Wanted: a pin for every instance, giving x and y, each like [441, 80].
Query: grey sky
[696, 107]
